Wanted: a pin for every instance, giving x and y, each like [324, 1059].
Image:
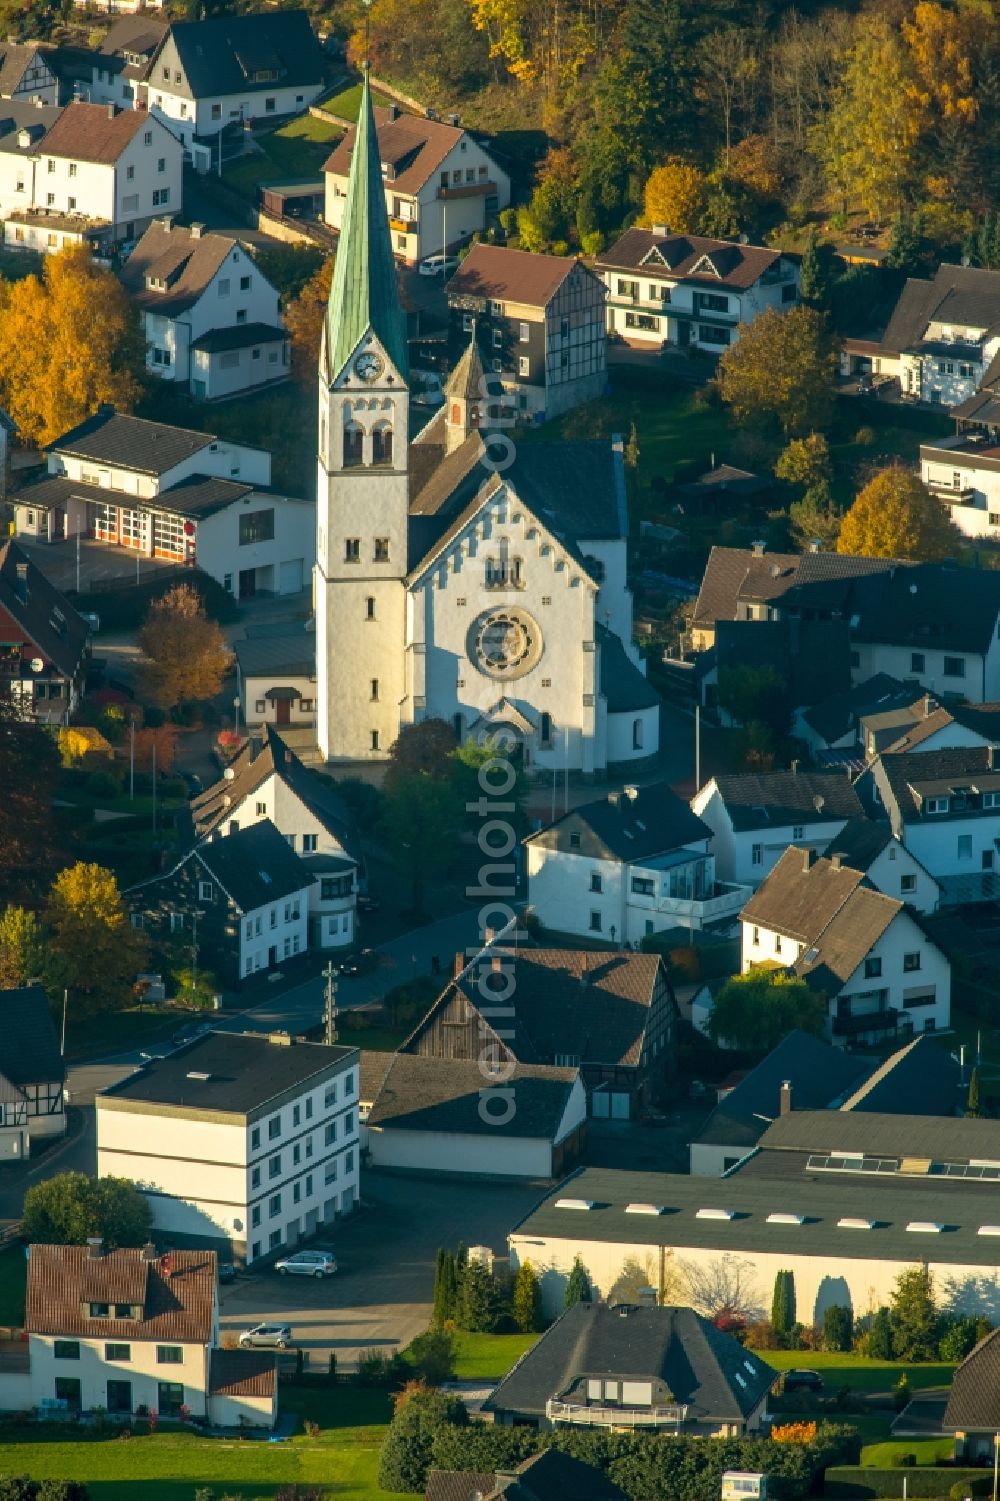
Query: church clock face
[505, 643]
[368, 366]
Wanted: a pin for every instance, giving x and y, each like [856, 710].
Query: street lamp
[236, 710]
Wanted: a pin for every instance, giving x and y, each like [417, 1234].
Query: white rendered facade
[746, 856]
[965, 476]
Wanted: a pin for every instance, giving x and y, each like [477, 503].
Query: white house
[633, 863]
[872, 849]
[223, 70]
[175, 494]
[436, 1115]
[209, 314]
[32, 1073]
[268, 781]
[689, 291]
[441, 185]
[246, 1139]
[944, 806]
[133, 1332]
[752, 819]
[276, 678]
[943, 337]
[89, 165]
[863, 952]
[964, 473]
[25, 75]
[924, 724]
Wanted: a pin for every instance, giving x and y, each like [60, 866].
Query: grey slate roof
[458, 1485]
[859, 843]
[109, 437]
[14, 60]
[936, 771]
[625, 689]
[920, 1078]
[836, 714]
[220, 55]
[881, 1134]
[958, 294]
[621, 826]
[974, 1399]
[183, 262]
[818, 1073]
[255, 866]
[241, 336]
[294, 652]
[29, 1047]
[693, 1361]
[774, 799]
[15, 115]
[44, 615]
[554, 1476]
[418, 1093]
[196, 495]
[246, 1071]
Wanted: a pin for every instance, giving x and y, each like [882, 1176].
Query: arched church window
[353, 446]
[382, 444]
[502, 570]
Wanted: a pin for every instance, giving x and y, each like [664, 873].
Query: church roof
[467, 380]
[364, 294]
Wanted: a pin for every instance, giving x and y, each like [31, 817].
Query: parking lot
[381, 1295]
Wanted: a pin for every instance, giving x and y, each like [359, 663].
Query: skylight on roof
[715, 1214]
[780, 1218]
[988, 1230]
[740, 1379]
[849, 1222]
[265, 877]
[645, 1209]
[194, 1074]
[574, 1203]
[925, 1227]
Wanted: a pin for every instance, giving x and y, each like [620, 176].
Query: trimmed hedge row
[858, 1483]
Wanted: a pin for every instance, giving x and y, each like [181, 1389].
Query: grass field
[168, 1466]
[118, 1031]
[926, 1451]
[859, 1372]
[298, 149]
[488, 1357]
[347, 104]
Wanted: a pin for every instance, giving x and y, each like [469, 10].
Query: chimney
[807, 860]
[836, 860]
[393, 111]
[794, 768]
[95, 1248]
[585, 971]
[631, 793]
[786, 1097]
[112, 111]
[21, 581]
[815, 545]
[758, 549]
[149, 1251]
[197, 230]
[457, 965]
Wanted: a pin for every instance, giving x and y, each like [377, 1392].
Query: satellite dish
[37, 664]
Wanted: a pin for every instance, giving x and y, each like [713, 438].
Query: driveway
[382, 1294]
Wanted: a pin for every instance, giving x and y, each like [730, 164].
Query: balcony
[866, 1021]
[482, 189]
[403, 226]
[954, 495]
[584, 1416]
[682, 886]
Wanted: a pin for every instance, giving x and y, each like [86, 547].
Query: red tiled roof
[91, 133]
[178, 1306]
[241, 1373]
[510, 275]
[411, 144]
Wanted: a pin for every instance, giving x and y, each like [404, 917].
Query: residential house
[88, 167]
[910, 621]
[548, 1476]
[689, 291]
[973, 1408]
[276, 678]
[209, 314]
[446, 1115]
[223, 70]
[32, 1073]
[267, 781]
[807, 658]
[244, 898]
[25, 75]
[920, 1078]
[924, 724]
[832, 727]
[44, 651]
[870, 848]
[174, 494]
[943, 337]
[441, 185]
[116, 7]
[863, 953]
[753, 818]
[116, 70]
[653, 1369]
[539, 320]
[944, 806]
[611, 1015]
[630, 864]
[245, 1139]
[802, 1070]
[845, 1200]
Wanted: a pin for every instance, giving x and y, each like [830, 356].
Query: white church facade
[469, 575]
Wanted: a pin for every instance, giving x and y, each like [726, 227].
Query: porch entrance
[119, 1396]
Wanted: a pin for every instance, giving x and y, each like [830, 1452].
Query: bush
[858, 1483]
[838, 1328]
[103, 784]
[432, 1356]
[419, 1416]
[864, 437]
[976, 1485]
[376, 1368]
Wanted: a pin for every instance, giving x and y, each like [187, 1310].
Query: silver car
[307, 1264]
[266, 1336]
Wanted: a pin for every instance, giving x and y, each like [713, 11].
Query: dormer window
[936, 805]
[99, 1311]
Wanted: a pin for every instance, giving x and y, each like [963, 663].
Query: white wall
[215, 376]
[735, 850]
[220, 553]
[206, 117]
[282, 926]
[233, 1412]
[448, 1152]
[888, 869]
[710, 1160]
[142, 1369]
[898, 662]
[218, 306]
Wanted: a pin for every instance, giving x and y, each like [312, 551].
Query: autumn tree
[895, 516]
[805, 461]
[781, 367]
[755, 1011]
[675, 196]
[526, 1303]
[29, 767]
[185, 656]
[156, 746]
[304, 323]
[93, 950]
[422, 749]
[92, 351]
[724, 1289]
[755, 163]
[22, 948]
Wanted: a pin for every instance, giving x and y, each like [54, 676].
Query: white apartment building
[754, 818]
[964, 473]
[247, 1139]
[86, 167]
[174, 494]
[209, 314]
[441, 185]
[689, 291]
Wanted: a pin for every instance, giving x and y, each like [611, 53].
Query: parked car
[426, 388]
[438, 265]
[227, 1272]
[866, 384]
[190, 1033]
[358, 964]
[266, 1337]
[307, 1264]
[193, 783]
[797, 1380]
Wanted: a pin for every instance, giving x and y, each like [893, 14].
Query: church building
[475, 573]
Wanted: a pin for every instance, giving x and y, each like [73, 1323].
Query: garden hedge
[858, 1483]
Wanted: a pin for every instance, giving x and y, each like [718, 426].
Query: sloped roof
[467, 379]
[292, 652]
[693, 1359]
[810, 657]
[631, 825]
[220, 55]
[974, 1398]
[851, 934]
[624, 687]
[254, 866]
[910, 774]
[44, 615]
[837, 713]
[16, 115]
[240, 336]
[773, 799]
[919, 1079]
[111, 437]
[140, 33]
[940, 1138]
[859, 843]
[494, 272]
[184, 262]
[961, 295]
[242, 1373]
[801, 896]
[91, 133]
[177, 1306]
[818, 1072]
[553, 1476]
[737, 266]
[420, 1093]
[15, 58]
[412, 145]
[736, 574]
[29, 1047]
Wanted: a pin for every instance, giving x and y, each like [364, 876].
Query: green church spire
[364, 294]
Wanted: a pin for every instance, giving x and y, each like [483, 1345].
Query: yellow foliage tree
[95, 952]
[77, 741]
[185, 656]
[755, 163]
[940, 44]
[304, 322]
[794, 1433]
[782, 366]
[508, 26]
[69, 340]
[675, 196]
[895, 516]
[22, 948]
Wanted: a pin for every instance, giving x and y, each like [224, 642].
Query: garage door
[620, 1107]
[290, 576]
[600, 1105]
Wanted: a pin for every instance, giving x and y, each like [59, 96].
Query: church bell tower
[362, 486]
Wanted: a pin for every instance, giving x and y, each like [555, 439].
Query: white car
[266, 1337]
[438, 265]
[307, 1264]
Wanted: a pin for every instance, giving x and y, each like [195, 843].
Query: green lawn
[926, 1451]
[488, 1357]
[298, 149]
[13, 1274]
[347, 104]
[859, 1372]
[168, 1466]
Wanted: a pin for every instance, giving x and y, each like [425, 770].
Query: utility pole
[194, 951]
[62, 1045]
[131, 762]
[330, 1012]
